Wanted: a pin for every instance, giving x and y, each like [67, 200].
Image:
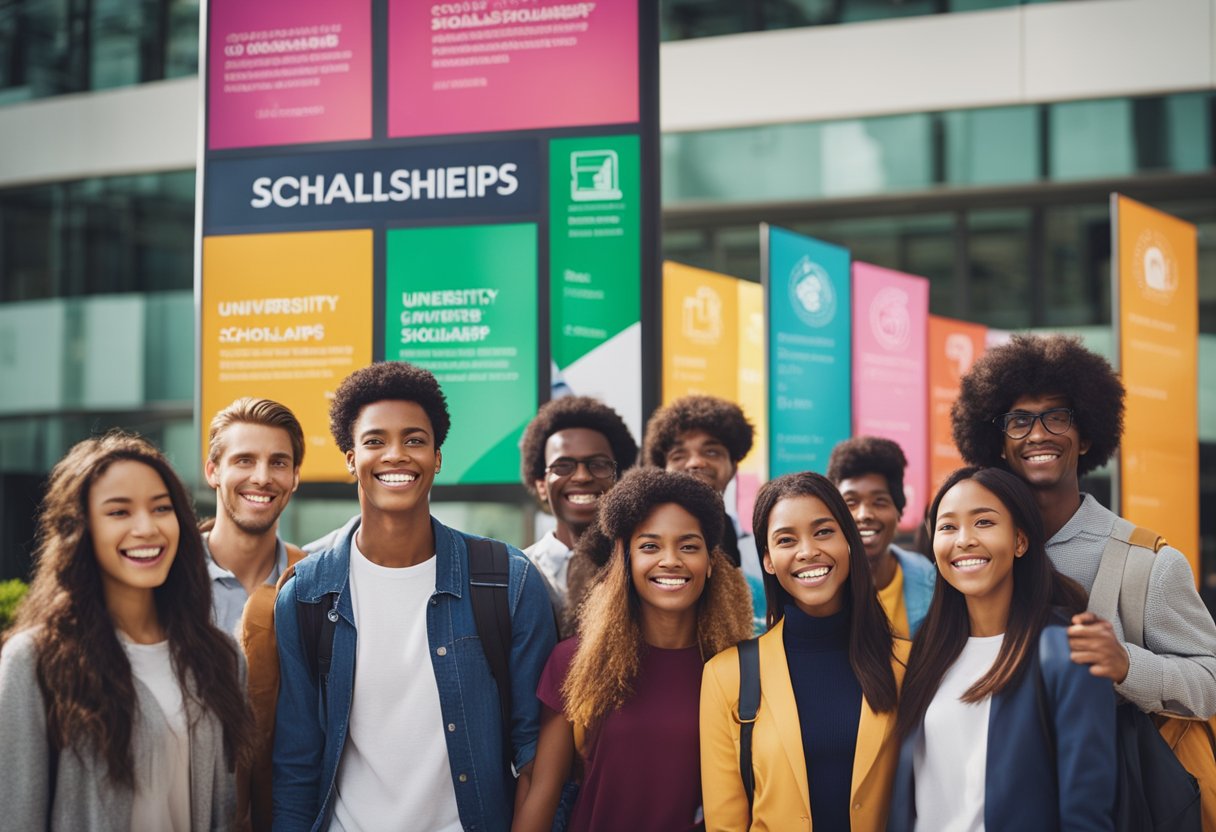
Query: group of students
[408, 675]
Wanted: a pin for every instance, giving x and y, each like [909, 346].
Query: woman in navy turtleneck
[823, 750]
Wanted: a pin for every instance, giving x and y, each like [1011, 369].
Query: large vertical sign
[753, 398]
[809, 340]
[953, 348]
[1157, 317]
[890, 312]
[465, 186]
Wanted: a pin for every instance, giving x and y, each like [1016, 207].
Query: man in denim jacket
[405, 733]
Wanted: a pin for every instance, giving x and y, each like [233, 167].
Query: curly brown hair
[387, 381]
[82, 669]
[1038, 365]
[719, 418]
[572, 412]
[606, 663]
[862, 455]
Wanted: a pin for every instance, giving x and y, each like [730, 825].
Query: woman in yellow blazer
[823, 742]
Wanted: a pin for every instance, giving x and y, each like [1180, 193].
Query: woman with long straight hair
[121, 707]
[1000, 729]
[823, 751]
[623, 694]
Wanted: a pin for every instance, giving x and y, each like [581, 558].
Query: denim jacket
[920, 577]
[311, 730]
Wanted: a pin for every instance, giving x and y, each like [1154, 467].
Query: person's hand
[1093, 642]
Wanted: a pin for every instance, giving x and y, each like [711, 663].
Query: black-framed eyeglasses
[1018, 425]
[601, 467]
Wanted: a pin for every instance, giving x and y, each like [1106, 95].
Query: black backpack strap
[317, 624]
[749, 706]
[489, 578]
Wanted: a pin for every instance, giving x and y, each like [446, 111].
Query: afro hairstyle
[719, 418]
[386, 381]
[1037, 365]
[642, 490]
[862, 455]
[572, 412]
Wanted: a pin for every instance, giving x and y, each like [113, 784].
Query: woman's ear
[1020, 544]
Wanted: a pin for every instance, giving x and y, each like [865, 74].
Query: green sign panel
[595, 262]
[461, 302]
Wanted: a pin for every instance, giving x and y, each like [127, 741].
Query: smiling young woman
[112, 642]
[992, 660]
[623, 693]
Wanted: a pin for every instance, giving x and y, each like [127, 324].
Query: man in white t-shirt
[401, 729]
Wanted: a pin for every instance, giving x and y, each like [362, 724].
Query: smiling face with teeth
[574, 499]
[808, 554]
[134, 528]
[873, 508]
[668, 565]
[395, 460]
[975, 543]
[1046, 461]
[254, 476]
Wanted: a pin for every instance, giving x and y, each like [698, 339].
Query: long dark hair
[870, 640]
[82, 668]
[1037, 588]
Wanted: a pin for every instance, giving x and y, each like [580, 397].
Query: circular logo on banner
[811, 293]
[1154, 267]
[889, 319]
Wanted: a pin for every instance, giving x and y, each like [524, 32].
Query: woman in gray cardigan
[121, 707]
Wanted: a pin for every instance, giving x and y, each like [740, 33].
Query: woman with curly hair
[992, 661]
[623, 693]
[823, 744]
[121, 706]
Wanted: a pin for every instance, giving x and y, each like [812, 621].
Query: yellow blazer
[782, 800]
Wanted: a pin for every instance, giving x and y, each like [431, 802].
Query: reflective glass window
[999, 267]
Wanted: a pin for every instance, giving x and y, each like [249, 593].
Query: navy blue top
[829, 706]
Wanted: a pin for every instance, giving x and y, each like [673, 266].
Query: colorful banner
[595, 266]
[953, 348]
[808, 299]
[700, 333]
[1155, 283]
[461, 302]
[890, 322]
[475, 67]
[753, 469]
[285, 317]
[288, 72]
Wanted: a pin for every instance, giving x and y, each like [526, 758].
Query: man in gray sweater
[1050, 410]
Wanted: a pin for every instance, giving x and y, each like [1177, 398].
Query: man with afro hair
[869, 471]
[708, 437]
[403, 727]
[570, 455]
[1049, 410]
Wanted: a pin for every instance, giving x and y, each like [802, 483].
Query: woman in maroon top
[624, 694]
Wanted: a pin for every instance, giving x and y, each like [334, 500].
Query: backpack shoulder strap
[749, 706]
[317, 623]
[1124, 576]
[294, 554]
[489, 579]
[1104, 594]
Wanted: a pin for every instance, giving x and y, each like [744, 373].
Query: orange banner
[953, 347]
[287, 317]
[1157, 319]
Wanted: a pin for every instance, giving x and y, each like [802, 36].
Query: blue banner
[808, 304]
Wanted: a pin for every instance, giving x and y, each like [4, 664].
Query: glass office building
[974, 142]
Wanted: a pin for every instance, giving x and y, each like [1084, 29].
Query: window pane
[993, 146]
[998, 255]
[1076, 270]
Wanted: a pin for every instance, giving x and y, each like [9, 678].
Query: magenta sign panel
[495, 65]
[288, 72]
[890, 371]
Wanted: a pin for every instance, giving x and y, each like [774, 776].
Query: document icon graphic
[594, 175]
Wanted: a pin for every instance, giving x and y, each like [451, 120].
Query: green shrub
[11, 593]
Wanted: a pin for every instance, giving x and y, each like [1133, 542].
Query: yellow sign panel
[1158, 327]
[287, 317]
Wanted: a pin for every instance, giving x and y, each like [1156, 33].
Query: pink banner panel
[890, 371]
[459, 67]
[288, 72]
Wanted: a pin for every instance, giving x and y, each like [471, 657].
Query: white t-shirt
[394, 772]
[951, 760]
[162, 800]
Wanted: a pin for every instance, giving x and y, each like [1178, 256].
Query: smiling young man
[570, 455]
[1050, 410]
[402, 729]
[869, 471]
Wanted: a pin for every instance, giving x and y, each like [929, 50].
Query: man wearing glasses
[570, 455]
[1050, 410]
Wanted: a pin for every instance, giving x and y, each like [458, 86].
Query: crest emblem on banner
[811, 293]
[890, 320]
[1154, 267]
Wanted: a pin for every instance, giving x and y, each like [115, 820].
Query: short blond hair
[251, 411]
